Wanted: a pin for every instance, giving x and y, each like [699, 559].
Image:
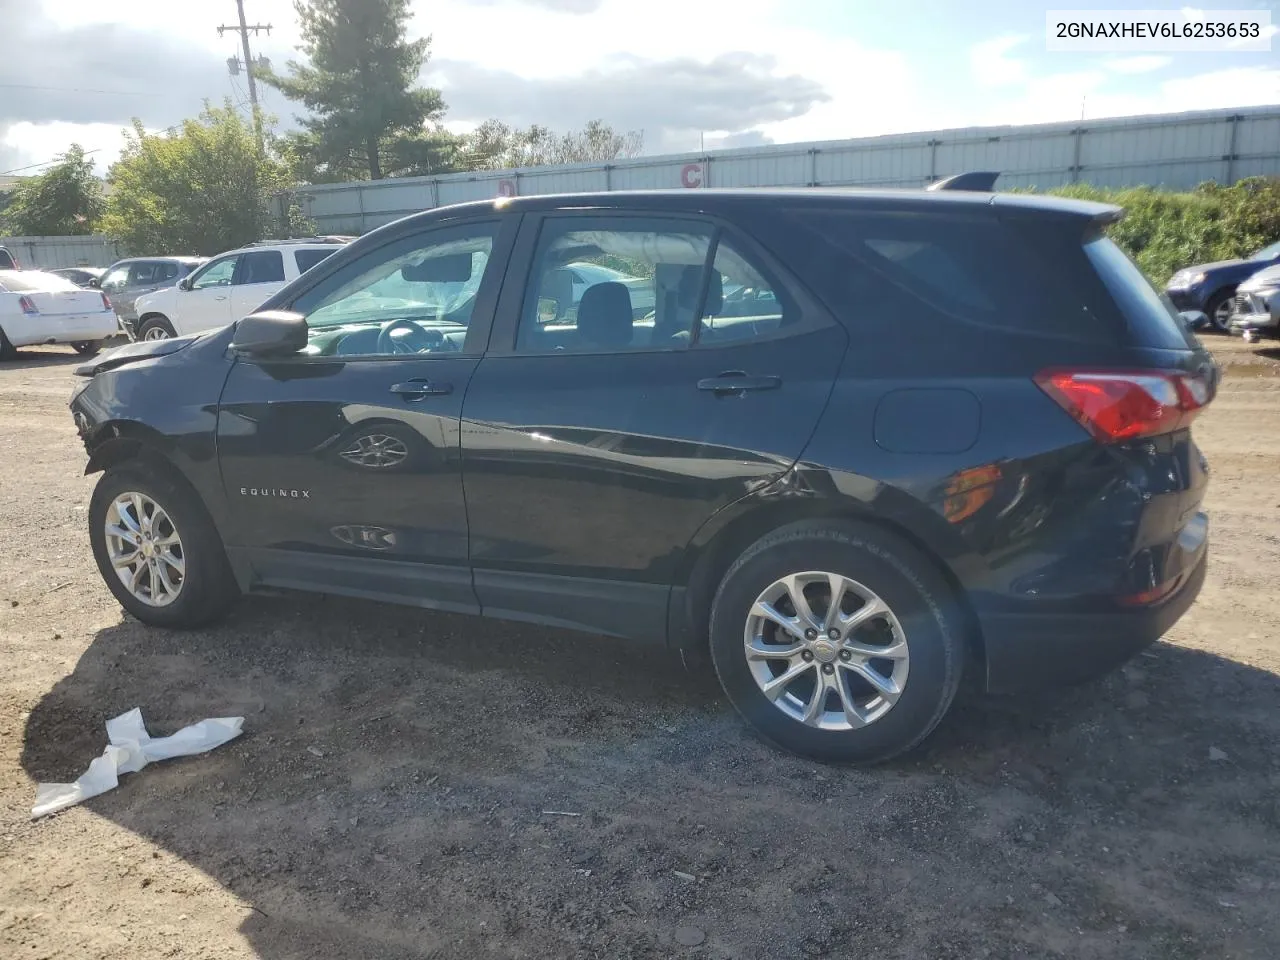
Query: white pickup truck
[228, 287]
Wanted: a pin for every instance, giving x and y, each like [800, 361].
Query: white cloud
[992, 66]
[1142, 64]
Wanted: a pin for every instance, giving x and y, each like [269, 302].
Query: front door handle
[735, 383]
[419, 389]
[219, 298]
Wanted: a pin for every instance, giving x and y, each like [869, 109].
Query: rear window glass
[33, 281]
[978, 271]
[1152, 315]
[306, 259]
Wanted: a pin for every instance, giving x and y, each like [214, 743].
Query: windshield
[1269, 252]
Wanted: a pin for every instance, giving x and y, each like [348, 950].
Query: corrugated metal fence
[52, 252]
[1176, 151]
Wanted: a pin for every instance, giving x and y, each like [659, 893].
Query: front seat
[604, 317]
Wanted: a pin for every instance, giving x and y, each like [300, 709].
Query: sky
[686, 72]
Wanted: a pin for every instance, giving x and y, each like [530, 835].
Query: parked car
[87, 277]
[849, 513]
[7, 260]
[1256, 308]
[1211, 287]
[228, 286]
[127, 280]
[38, 307]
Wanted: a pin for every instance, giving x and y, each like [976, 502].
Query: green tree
[496, 146]
[65, 200]
[368, 116]
[202, 189]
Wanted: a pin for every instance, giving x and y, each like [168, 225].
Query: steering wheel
[417, 340]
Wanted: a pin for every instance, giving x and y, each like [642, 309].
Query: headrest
[604, 315]
[691, 283]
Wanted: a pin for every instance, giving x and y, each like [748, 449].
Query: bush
[1165, 231]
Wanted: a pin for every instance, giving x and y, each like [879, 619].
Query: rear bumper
[1036, 651]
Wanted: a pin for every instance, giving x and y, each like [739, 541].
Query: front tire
[861, 682]
[7, 350]
[156, 328]
[87, 348]
[157, 549]
[1219, 310]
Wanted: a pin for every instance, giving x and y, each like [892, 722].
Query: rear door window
[260, 266]
[306, 259]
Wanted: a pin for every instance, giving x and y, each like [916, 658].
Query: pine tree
[360, 85]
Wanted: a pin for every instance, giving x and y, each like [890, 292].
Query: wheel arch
[727, 535]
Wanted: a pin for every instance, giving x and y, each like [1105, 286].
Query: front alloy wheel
[145, 549]
[826, 650]
[156, 332]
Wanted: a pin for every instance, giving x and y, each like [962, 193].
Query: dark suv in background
[126, 280]
[1211, 287]
[859, 444]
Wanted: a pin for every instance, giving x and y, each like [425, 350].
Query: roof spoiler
[980, 181]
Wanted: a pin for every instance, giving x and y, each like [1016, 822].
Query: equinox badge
[274, 492]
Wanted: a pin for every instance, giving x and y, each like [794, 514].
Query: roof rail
[329, 238]
[980, 181]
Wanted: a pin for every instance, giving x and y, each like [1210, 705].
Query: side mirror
[270, 333]
[548, 309]
[93, 284]
[1193, 319]
[184, 283]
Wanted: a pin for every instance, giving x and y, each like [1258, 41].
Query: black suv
[856, 444]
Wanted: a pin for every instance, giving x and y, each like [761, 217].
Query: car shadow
[29, 358]
[434, 785]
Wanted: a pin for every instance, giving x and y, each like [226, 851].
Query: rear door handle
[418, 389]
[733, 382]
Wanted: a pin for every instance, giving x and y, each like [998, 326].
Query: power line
[112, 93]
[45, 163]
[243, 29]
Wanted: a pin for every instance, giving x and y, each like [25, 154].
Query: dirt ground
[388, 797]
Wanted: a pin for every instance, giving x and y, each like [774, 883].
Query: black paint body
[607, 492]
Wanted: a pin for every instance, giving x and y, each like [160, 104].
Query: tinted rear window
[306, 259]
[1151, 315]
[978, 271]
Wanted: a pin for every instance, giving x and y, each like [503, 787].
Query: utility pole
[243, 29]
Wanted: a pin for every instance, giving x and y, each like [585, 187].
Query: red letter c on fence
[691, 175]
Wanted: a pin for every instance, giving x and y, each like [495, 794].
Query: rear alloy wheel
[157, 549]
[155, 329]
[87, 348]
[1219, 310]
[837, 641]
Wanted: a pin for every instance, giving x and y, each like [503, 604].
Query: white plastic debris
[130, 749]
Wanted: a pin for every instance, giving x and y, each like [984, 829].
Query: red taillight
[28, 306]
[1117, 405]
[106, 302]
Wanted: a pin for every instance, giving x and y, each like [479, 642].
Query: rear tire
[195, 585]
[156, 328]
[87, 348]
[872, 708]
[7, 350]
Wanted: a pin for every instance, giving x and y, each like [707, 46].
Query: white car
[228, 287]
[37, 307]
